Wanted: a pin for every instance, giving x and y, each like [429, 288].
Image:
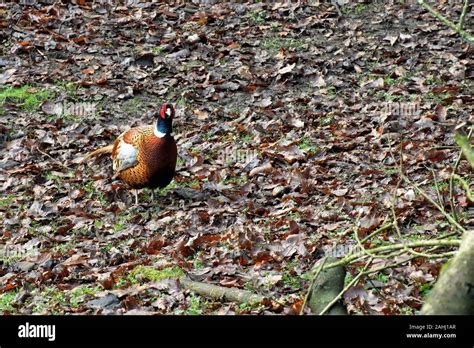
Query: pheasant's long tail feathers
[100, 151]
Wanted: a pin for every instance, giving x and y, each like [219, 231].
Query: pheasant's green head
[164, 123]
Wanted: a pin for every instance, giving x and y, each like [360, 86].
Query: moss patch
[27, 97]
[147, 273]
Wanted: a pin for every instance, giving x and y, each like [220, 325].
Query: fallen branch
[457, 28]
[453, 173]
[222, 293]
[423, 243]
[429, 199]
[463, 14]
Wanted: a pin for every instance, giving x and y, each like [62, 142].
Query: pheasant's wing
[126, 147]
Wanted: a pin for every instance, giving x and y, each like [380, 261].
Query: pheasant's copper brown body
[156, 158]
[145, 156]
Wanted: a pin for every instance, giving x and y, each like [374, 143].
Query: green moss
[257, 16]
[246, 137]
[79, 294]
[425, 289]
[7, 200]
[324, 121]
[27, 97]
[195, 305]
[306, 144]
[383, 278]
[348, 278]
[157, 50]
[151, 274]
[69, 87]
[180, 162]
[119, 225]
[163, 191]
[235, 180]
[292, 281]
[7, 301]
[248, 307]
[294, 216]
[406, 311]
[49, 299]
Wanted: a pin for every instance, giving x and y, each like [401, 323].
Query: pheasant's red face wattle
[167, 111]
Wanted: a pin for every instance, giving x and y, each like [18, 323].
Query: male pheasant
[145, 156]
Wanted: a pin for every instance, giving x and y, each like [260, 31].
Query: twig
[51, 158]
[463, 14]
[313, 280]
[351, 283]
[421, 243]
[380, 229]
[465, 35]
[451, 179]
[438, 192]
[219, 292]
[429, 199]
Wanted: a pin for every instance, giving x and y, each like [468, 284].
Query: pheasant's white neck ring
[158, 133]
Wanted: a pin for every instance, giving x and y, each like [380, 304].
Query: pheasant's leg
[136, 196]
[152, 195]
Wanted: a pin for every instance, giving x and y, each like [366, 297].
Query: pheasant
[144, 156]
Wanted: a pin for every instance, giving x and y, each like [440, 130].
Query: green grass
[134, 106]
[69, 87]
[62, 248]
[248, 307]
[275, 43]
[7, 301]
[348, 278]
[431, 80]
[49, 299]
[383, 278]
[164, 191]
[436, 97]
[292, 281]
[406, 311]
[79, 294]
[391, 170]
[195, 305]
[147, 273]
[274, 26]
[235, 179]
[180, 162]
[360, 8]
[306, 144]
[246, 137]
[26, 97]
[294, 216]
[257, 16]
[7, 200]
[157, 50]
[52, 175]
[425, 289]
[120, 223]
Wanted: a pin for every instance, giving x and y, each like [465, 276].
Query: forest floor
[293, 123]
